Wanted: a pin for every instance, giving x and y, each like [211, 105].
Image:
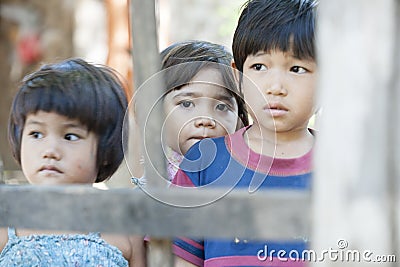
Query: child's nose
[205, 122]
[51, 151]
[276, 85]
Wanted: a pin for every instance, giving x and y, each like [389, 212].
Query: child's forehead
[208, 82]
[41, 117]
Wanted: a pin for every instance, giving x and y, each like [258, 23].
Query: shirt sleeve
[191, 250]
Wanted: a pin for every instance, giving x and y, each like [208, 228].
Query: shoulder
[3, 238]
[119, 241]
[132, 247]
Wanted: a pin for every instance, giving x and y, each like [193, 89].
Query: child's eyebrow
[287, 54]
[186, 94]
[225, 97]
[74, 125]
[218, 96]
[261, 53]
[33, 122]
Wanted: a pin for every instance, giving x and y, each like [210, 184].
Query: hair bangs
[60, 94]
[265, 28]
[295, 35]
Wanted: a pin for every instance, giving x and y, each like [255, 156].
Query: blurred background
[33, 32]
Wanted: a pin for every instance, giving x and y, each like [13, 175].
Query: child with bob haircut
[66, 127]
[273, 48]
[201, 99]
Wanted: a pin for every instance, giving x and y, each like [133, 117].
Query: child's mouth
[276, 109]
[198, 137]
[49, 169]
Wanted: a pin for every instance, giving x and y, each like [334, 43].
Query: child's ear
[236, 72]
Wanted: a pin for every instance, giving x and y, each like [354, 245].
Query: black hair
[183, 60]
[93, 94]
[265, 25]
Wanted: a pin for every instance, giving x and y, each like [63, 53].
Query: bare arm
[3, 238]
[138, 256]
[179, 262]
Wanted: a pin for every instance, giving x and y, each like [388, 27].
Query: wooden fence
[355, 198]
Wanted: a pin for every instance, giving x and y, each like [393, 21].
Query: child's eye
[222, 107]
[36, 135]
[186, 104]
[71, 137]
[298, 69]
[259, 67]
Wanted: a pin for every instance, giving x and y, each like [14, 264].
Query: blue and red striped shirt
[229, 162]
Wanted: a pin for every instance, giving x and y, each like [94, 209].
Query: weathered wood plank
[352, 199]
[274, 214]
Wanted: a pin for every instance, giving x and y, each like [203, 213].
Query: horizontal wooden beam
[272, 214]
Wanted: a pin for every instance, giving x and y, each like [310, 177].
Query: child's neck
[279, 144]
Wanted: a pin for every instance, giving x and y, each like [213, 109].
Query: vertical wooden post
[148, 108]
[353, 201]
[148, 88]
[1, 171]
[394, 138]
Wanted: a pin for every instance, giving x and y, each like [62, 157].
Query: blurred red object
[29, 49]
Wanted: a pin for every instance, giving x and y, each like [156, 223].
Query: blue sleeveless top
[60, 250]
